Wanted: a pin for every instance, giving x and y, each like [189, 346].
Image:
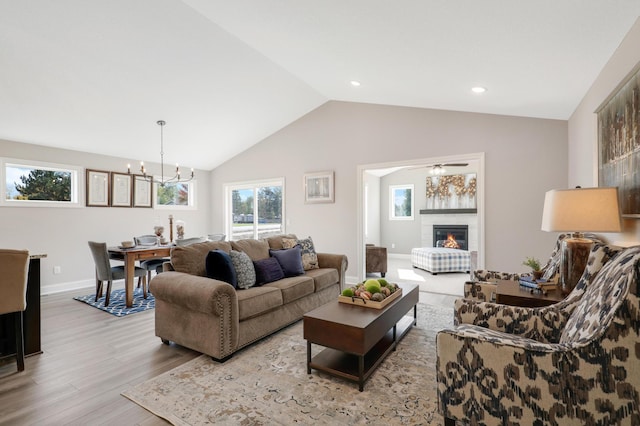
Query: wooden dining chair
[108, 273]
[14, 265]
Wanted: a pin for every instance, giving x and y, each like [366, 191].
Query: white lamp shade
[581, 210]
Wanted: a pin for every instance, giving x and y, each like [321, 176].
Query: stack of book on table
[541, 284]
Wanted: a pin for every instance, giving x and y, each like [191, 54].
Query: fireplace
[443, 235]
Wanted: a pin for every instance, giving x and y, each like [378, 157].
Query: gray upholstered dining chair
[14, 265]
[189, 241]
[108, 273]
[150, 265]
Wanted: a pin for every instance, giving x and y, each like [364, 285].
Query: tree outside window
[26, 183]
[256, 210]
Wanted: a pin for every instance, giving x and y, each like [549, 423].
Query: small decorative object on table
[371, 293]
[534, 264]
[180, 229]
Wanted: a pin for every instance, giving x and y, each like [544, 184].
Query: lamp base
[573, 261]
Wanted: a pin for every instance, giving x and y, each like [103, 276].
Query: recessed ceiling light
[478, 89]
[355, 83]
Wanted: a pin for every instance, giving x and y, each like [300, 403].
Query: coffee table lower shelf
[358, 368]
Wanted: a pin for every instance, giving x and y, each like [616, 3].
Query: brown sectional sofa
[214, 318]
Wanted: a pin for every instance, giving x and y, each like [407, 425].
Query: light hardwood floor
[89, 358]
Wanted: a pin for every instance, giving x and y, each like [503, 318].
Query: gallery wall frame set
[112, 189]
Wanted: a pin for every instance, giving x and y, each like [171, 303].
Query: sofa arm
[195, 293]
[335, 261]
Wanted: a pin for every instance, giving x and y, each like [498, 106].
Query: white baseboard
[62, 287]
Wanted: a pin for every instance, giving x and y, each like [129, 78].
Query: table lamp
[577, 211]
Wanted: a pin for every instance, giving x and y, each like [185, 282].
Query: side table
[511, 293]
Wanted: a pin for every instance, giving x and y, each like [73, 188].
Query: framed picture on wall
[619, 143]
[401, 202]
[98, 189]
[318, 187]
[121, 189]
[142, 193]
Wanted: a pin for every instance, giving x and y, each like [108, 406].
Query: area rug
[117, 305]
[267, 383]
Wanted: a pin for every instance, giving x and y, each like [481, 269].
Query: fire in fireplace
[451, 236]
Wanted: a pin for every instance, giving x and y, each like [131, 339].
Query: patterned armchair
[574, 362]
[483, 287]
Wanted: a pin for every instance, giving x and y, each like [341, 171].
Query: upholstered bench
[441, 259]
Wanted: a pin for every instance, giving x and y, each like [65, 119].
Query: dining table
[130, 255]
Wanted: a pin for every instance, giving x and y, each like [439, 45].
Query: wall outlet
[57, 270]
[393, 245]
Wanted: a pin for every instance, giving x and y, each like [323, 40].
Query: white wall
[372, 226]
[583, 124]
[525, 157]
[62, 233]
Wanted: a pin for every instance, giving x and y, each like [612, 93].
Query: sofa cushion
[323, 277]
[257, 300]
[191, 259]
[256, 249]
[293, 288]
[219, 266]
[290, 261]
[277, 241]
[267, 270]
[309, 256]
[245, 272]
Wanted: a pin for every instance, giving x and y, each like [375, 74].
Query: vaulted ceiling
[96, 75]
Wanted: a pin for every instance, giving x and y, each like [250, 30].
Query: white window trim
[392, 210]
[193, 204]
[227, 202]
[77, 189]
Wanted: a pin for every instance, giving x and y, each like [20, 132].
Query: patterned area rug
[117, 302]
[267, 383]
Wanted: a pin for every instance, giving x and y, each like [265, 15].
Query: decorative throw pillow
[220, 267]
[309, 256]
[290, 261]
[245, 273]
[267, 270]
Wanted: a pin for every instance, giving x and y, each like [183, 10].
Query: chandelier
[162, 181]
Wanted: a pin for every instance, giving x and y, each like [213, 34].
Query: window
[255, 209]
[38, 184]
[401, 202]
[174, 195]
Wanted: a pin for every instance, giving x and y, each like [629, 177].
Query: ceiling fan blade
[454, 165]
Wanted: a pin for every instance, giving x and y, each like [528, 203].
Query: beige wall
[62, 233]
[583, 125]
[525, 157]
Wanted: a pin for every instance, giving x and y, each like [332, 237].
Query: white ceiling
[96, 75]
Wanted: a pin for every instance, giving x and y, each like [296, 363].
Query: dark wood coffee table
[356, 338]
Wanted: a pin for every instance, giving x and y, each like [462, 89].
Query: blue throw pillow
[220, 267]
[290, 261]
[267, 270]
